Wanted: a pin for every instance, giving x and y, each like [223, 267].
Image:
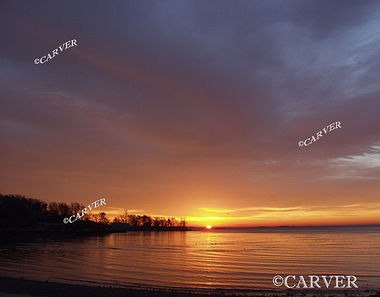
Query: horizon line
[290, 226]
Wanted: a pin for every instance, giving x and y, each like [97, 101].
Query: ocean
[240, 259]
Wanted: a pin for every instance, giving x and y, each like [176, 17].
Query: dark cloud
[158, 88]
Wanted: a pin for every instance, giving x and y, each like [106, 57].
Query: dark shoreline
[50, 289]
[104, 230]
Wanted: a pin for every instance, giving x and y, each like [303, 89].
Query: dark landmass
[50, 289]
[19, 214]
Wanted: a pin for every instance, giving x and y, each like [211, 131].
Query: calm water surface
[229, 259]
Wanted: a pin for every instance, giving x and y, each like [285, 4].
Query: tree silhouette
[103, 219]
[18, 212]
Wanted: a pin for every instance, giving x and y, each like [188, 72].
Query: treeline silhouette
[20, 213]
[147, 221]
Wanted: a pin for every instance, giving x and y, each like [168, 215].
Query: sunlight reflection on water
[235, 259]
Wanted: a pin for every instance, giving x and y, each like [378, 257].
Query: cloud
[323, 214]
[168, 106]
[362, 166]
[274, 209]
[369, 160]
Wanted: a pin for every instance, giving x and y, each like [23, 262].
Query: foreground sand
[17, 287]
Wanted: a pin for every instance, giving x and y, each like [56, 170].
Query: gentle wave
[226, 259]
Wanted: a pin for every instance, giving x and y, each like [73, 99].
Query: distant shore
[32, 288]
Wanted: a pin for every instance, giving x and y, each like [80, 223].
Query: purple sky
[195, 108]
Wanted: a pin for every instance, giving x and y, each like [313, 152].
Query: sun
[208, 227]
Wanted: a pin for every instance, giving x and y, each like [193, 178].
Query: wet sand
[18, 287]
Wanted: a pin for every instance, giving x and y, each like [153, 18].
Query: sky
[195, 108]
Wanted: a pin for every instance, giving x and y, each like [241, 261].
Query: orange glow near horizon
[347, 214]
[211, 139]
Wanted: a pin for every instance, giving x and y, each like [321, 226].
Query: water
[240, 259]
